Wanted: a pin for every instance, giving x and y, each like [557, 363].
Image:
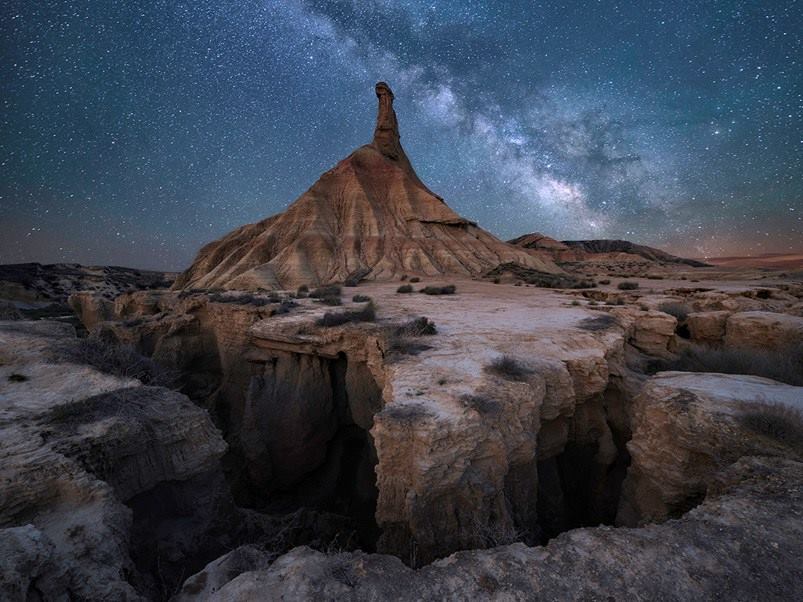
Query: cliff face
[369, 215]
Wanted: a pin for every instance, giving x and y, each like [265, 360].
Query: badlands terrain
[369, 397]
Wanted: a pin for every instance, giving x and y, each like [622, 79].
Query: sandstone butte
[370, 216]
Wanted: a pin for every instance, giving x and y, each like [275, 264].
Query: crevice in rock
[305, 442]
[580, 486]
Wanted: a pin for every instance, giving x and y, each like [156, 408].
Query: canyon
[369, 397]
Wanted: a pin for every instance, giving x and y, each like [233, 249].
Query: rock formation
[370, 216]
[744, 542]
[599, 250]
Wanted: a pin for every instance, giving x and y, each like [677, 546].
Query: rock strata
[369, 214]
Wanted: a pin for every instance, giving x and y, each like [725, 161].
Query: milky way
[133, 133]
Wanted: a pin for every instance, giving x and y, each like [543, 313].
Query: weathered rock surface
[707, 326]
[456, 448]
[53, 283]
[599, 251]
[744, 542]
[763, 329]
[370, 214]
[78, 449]
[686, 427]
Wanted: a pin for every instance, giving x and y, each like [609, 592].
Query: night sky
[135, 132]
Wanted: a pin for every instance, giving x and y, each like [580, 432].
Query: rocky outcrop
[707, 326]
[763, 329]
[369, 215]
[81, 452]
[53, 283]
[687, 427]
[597, 250]
[743, 542]
[448, 453]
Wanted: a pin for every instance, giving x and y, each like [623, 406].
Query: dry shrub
[597, 323]
[783, 364]
[674, 308]
[481, 404]
[627, 285]
[364, 314]
[510, 368]
[405, 288]
[122, 360]
[404, 339]
[329, 290]
[776, 421]
[449, 289]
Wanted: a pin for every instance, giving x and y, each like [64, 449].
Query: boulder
[763, 329]
[707, 326]
[687, 426]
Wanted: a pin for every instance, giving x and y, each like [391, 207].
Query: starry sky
[134, 132]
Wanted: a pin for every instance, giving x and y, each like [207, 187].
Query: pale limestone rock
[653, 332]
[91, 308]
[76, 445]
[744, 542]
[686, 427]
[707, 326]
[763, 329]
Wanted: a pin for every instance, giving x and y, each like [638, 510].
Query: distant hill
[595, 250]
[40, 284]
[771, 261]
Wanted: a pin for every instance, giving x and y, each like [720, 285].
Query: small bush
[449, 289]
[782, 364]
[415, 279]
[597, 323]
[575, 302]
[403, 278]
[679, 310]
[241, 299]
[330, 290]
[17, 378]
[481, 404]
[405, 339]
[405, 288]
[284, 307]
[360, 298]
[364, 314]
[654, 277]
[605, 281]
[627, 285]
[510, 368]
[417, 327]
[122, 360]
[497, 280]
[776, 421]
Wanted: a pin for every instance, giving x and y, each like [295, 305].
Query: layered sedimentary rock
[460, 454]
[368, 217]
[763, 329]
[743, 542]
[81, 454]
[689, 426]
[600, 251]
